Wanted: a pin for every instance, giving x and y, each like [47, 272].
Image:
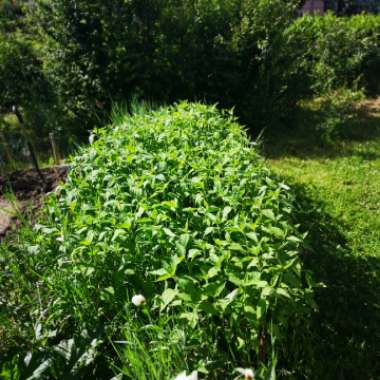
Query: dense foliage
[338, 62]
[24, 86]
[175, 205]
[256, 56]
[230, 52]
[11, 15]
[338, 51]
[22, 82]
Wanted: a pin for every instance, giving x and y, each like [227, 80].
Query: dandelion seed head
[247, 373]
[183, 376]
[138, 299]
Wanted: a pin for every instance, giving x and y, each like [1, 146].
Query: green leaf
[169, 232]
[110, 290]
[278, 232]
[208, 308]
[223, 303]
[209, 230]
[269, 214]
[193, 253]
[40, 370]
[182, 243]
[261, 309]
[235, 279]
[212, 272]
[162, 274]
[191, 317]
[283, 292]
[65, 348]
[253, 236]
[226, 212]
[214, 289]
[236, 247]
[167, 297]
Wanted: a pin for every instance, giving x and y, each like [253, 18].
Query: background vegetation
[72, 60]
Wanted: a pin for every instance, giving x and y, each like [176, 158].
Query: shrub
[10, 15]
[255, 56]
[270, 73]
[337, 51]
[230, 52]
[174, 204]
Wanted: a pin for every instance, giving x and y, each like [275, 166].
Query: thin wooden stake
[54, 148]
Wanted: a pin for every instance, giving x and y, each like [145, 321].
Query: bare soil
[26, 190]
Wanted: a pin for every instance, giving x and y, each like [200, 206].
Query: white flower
[138, 300]
[247, 373]
[91, 139]
[192, 376]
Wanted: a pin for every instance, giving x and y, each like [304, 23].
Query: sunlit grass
[343, 182]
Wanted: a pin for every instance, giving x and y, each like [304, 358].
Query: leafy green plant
[22, 79]
[176, 205]
[256, 56]
[27, 101]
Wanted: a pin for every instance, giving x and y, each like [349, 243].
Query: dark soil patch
[29, 191]
[27, 184]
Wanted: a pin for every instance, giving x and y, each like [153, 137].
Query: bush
[270, 73]
[176, 205]
[10, 15]
[22, 82]
[230, 52]
[338, 51]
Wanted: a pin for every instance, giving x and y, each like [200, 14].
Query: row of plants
[171, 248]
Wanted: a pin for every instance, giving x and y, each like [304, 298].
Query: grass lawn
[343, 216]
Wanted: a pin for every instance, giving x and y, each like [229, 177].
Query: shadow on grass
[345, 330]
[305, 140]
